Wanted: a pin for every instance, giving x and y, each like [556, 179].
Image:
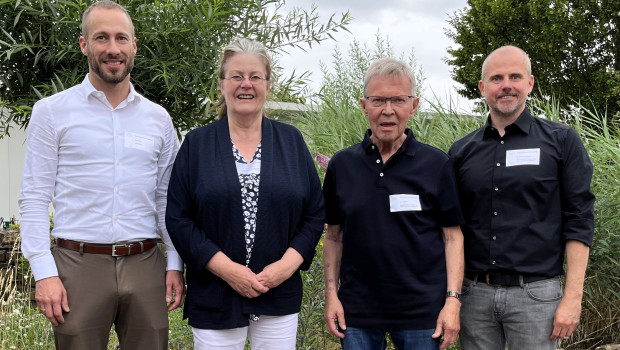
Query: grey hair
[528, 63]
[104, 4]
[391, 67]
[242, 45]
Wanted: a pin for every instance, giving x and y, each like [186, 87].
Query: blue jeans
[520, 317]
[374, 339]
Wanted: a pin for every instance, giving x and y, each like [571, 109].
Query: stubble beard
[115, 77]
[507, 111]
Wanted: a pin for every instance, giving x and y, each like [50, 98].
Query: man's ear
[83, 46]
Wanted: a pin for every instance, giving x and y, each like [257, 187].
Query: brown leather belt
[122, 249]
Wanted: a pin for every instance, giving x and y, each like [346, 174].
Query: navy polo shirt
[393, 268]
[523, 196]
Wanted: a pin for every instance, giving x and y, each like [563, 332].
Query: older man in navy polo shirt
[393, 242]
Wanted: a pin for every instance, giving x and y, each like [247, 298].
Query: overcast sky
[418, 24]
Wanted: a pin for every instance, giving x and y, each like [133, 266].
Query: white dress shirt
[104, 169]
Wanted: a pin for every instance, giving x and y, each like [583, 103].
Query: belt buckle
[114, 246]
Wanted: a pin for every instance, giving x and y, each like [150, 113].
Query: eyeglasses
[255, 79]
[397, 101]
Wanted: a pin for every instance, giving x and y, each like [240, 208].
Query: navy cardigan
[204, 216]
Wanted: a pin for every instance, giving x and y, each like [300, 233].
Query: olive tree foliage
[179, 45]
[574, 46]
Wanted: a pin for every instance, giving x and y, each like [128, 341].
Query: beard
[113, 77]
[508, 110]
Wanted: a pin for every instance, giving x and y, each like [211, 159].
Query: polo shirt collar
[521, 125]
[408, 146]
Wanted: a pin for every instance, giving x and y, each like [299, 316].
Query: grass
[21, 325]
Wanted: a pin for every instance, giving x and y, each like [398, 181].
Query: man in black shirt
[524, 185]
[393, 250]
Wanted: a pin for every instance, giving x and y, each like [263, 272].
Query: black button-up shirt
[523, 196]
[393, 267]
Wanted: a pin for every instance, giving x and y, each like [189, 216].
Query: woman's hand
[245, 282]
[239, 277]
[276, 273]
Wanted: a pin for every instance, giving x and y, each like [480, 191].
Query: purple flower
[321, 159]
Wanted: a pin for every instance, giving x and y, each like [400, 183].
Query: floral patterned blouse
[249, 178]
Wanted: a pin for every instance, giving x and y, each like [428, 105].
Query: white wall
[12, 151]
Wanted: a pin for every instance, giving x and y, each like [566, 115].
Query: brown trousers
[128, 292]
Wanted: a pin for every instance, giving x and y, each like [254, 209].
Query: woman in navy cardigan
[245, 212]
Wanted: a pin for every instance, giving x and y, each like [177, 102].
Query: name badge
[528, 156]
[405, 202]
[252, 168]
[139, 141]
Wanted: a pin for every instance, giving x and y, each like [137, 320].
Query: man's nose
[388, 109]
[113, 48]
[506, 84]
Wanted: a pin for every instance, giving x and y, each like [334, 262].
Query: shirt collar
[522, 124]
[408, 146]
[89, 90]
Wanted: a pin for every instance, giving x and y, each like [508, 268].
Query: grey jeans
[520, 317]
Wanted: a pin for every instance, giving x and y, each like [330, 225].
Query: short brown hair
[104, 4]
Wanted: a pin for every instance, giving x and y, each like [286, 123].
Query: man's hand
[51, 298]
[334, 313]
[567, 315]
[448, 323]
[566, 318]
[175, 289]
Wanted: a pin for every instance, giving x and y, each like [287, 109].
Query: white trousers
[268, 333]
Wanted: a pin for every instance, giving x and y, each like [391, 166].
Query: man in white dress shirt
[102, 154]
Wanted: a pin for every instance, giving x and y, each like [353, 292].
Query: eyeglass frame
[254, 79]
[386, 99]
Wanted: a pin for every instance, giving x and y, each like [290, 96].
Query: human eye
[515, 77]
[399, 100]
[377, 101]
[236, 78]
[255, 79]
[495, 78]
